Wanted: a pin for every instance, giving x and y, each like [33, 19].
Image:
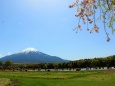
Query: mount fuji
[32, 55]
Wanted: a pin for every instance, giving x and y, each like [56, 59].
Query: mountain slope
[31, 55]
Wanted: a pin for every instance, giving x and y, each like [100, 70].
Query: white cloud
[0, 55]
[9, 53]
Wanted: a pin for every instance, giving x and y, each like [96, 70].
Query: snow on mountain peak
[27, 50]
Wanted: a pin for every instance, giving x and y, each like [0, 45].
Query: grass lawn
[70, 78]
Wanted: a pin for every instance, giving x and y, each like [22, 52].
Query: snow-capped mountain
[32, 55]
[27, 50]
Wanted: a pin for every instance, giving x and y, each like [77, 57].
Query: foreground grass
[81, 78]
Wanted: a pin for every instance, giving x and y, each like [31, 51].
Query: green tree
[79, 63]
[87, 64]
[8, 63]
[94, 63]
[70, 66]
[1, 63]
[56, 66]
[45, 66]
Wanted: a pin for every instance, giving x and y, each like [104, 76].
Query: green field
[70, 78]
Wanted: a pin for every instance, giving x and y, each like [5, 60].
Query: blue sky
[47, 25]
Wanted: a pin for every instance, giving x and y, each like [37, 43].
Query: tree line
[95, 63]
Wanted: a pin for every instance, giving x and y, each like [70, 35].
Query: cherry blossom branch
[88, 8]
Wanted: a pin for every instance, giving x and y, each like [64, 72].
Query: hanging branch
[87, 8]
